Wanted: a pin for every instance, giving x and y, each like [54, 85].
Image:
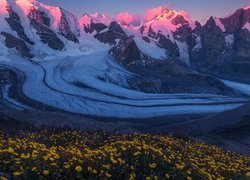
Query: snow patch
[247, 26]
[150, 49]
[229, 39]
[198, 43]
[184, 54]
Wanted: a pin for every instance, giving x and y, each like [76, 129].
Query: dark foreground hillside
[69, 154]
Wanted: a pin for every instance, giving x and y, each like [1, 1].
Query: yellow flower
[108, 175]
[189, 178]
[89, 168]
[34, 169]
[45, 172]
[17, 173]
[3, 178]
[95, 171]
[66, 166]
[113, 160]
[11, 150]
[179, 167]
[167, 176]
[153, 165]
[78, 168]
[148, 178]
[137, 153]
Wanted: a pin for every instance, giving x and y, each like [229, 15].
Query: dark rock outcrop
[19, 44]
[114, 32]
[41, 23]
[179, 19]
[236, 20]
[39, 16]
[218, 56]
[126, 52]
[166, 43]
[15, 24]
[64, 29]
[212, 45]
[98, 27]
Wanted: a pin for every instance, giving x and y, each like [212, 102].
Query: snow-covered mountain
[170, 35]
[92, 61]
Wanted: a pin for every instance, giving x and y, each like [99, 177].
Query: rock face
[41, 23]
[236, 20]
[65, 30]
[156, 76]
[98, 27]
[213, 44]
[19, 44]
[15, 24]
[171, 48]
[224, 46]
[126, 52]
[113, 32]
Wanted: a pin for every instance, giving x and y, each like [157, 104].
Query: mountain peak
[166, 14]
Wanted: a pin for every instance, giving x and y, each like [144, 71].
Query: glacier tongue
[73, 84]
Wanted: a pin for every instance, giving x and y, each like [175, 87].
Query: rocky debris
[15, 24]
[40, 22]
[19, 44]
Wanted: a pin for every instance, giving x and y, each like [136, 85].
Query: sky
[197, 9]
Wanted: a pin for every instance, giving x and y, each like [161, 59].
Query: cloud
[128, 19]
[152, 13]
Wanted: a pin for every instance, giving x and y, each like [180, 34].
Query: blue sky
[197, 9]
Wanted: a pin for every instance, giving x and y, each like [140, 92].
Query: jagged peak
[215, 21]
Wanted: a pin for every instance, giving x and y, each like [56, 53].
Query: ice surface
[72, 84]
